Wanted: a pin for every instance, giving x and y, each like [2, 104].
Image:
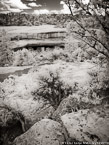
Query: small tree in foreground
[52, 89]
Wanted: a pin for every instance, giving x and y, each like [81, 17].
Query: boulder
[87, 125]
[44, 132]
[69, 105]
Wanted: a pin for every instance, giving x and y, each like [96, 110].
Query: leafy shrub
[91, 22]
[75, 104]
[5, 51]
[28, 57]
[100, 84]
[52, 55]
[52, 89]
[16, 19]
[23, 57]
[81, 52]
[77, 51]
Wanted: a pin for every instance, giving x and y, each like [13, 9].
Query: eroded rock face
[87, 126]
[44, 132]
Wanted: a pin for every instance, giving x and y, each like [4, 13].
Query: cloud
[17, 4]
[2, 6]
[62, 3]
[65, 9]
[13, 5]
[34, 5]
[43, 11]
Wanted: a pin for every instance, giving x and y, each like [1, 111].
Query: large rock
[70, 104]
[88, 126]
[45, 132]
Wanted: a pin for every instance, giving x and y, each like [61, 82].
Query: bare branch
[91, 36]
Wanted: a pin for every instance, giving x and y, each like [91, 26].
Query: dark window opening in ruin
[40, 48]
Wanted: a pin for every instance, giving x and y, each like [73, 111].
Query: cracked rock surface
[88, 125]
[44, 132]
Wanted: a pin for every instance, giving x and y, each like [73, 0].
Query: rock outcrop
[45, 132]
[88, 125]
[39, 36]
[36, 44]
[69, 105]
[42, 36]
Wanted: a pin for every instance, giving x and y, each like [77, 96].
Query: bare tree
[96, 9]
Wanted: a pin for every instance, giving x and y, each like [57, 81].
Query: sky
[34, 6]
